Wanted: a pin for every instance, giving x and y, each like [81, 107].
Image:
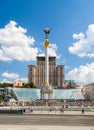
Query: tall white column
[46, 67]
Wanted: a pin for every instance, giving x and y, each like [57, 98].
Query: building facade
[88, 91]
[60, 78]
[36, 74]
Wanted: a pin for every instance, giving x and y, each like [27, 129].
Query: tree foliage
[1, 98]
[24, 85]
[29, 85]
[5, 84]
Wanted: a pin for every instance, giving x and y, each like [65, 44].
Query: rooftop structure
[34, 94]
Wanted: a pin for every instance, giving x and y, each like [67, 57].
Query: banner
[67, 84]
[17, 83]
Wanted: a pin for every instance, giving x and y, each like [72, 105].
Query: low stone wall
[11, 112]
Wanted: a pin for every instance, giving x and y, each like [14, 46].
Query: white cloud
[78, 36]
[25, 80]
[85, 43]
[82, 75]
[67, 67]
[15, 44]
[51, 51]
[10, 75]
[5, 80]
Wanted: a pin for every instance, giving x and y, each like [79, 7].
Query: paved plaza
[46, 120]
[41, 127]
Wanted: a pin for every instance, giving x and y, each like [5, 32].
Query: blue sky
[71, 38]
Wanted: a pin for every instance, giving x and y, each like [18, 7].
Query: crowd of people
[86, 103]
[66, 103]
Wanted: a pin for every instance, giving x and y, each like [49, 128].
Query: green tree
[5, 84]
[0, 85]
[29, 85]
[1, 98]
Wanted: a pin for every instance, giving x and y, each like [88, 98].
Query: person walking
[83, 111]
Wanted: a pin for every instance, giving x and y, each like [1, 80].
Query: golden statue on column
[46, 88]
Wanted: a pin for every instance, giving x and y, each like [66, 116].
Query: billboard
[67, 84]
[17, 83]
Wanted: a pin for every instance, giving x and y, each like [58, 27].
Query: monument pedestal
[46, 90]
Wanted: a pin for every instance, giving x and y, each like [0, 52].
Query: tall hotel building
[36, 74]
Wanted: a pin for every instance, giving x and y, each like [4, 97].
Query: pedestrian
[62, 110]
[83, 110]
[50, 109]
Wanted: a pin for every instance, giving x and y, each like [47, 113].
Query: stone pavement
[51, 127]
[43, 127]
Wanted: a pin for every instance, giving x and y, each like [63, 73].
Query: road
[71, 120]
